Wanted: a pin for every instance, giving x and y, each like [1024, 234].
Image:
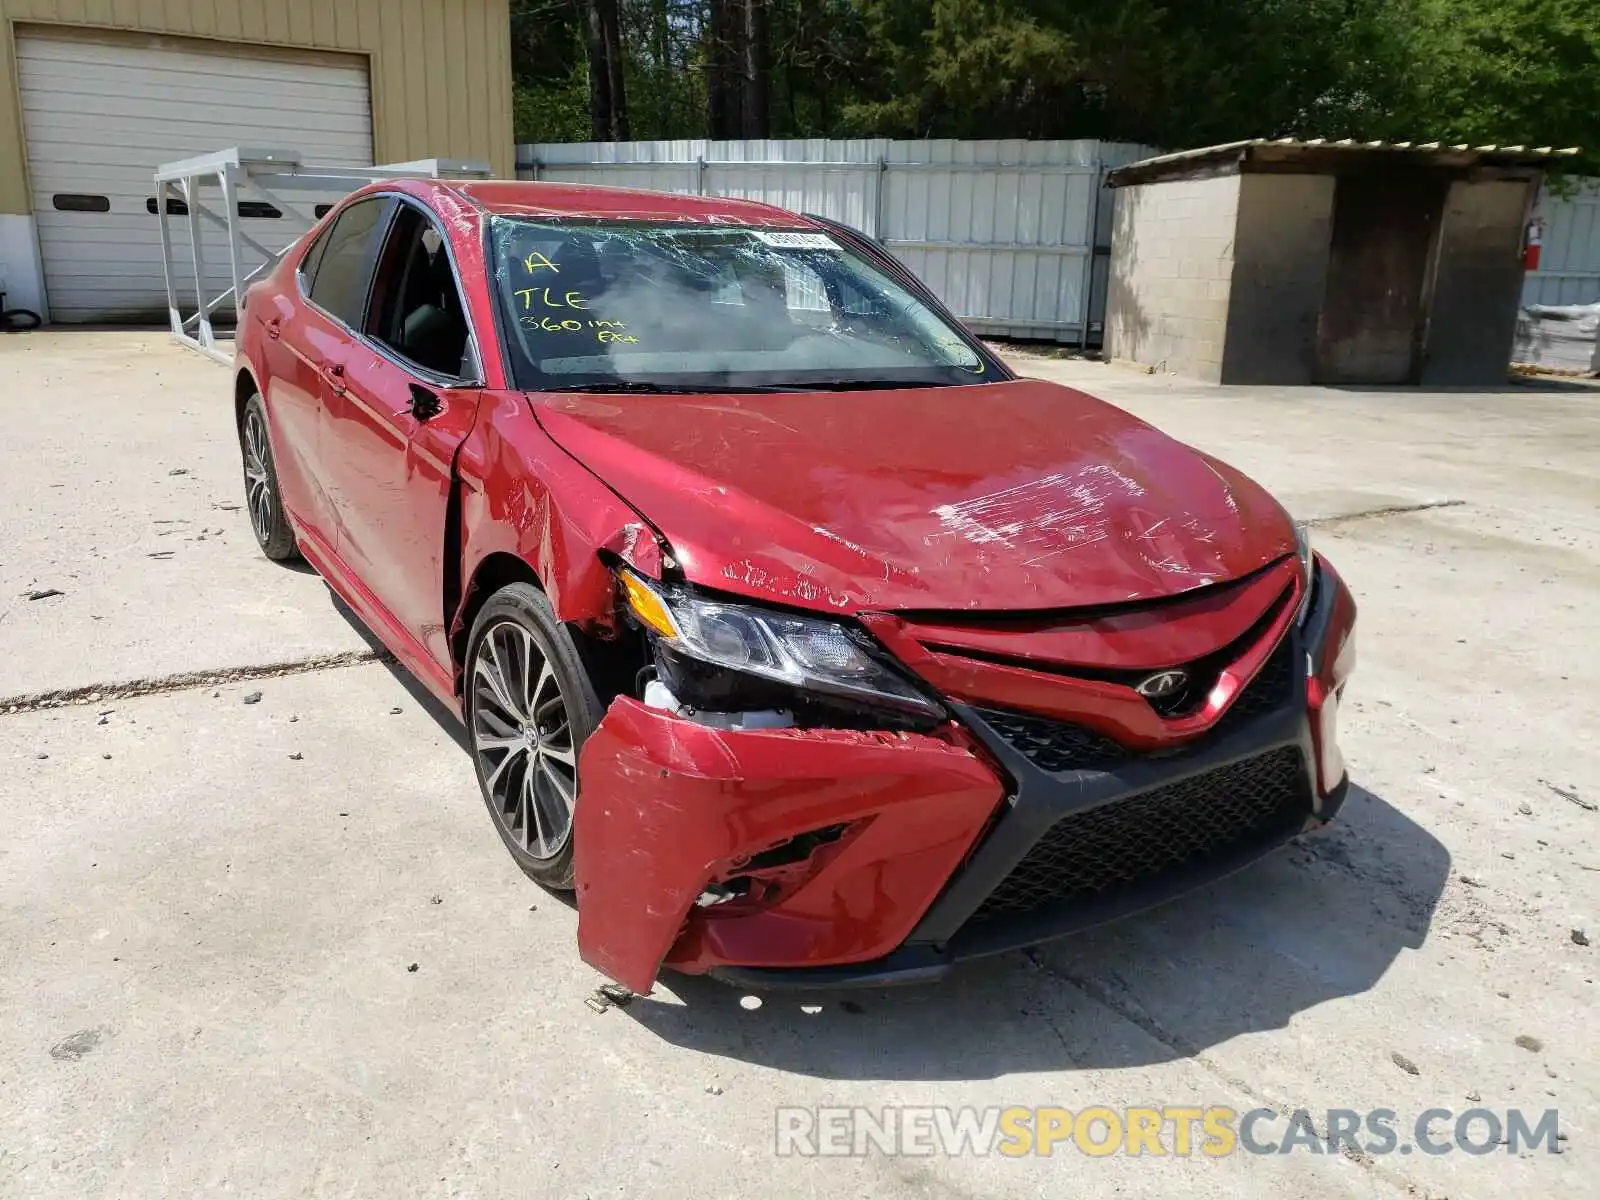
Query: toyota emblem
[1163, 685]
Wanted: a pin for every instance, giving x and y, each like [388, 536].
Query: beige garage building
[95, 94]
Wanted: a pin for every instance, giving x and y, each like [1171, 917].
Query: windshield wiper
[867, 385]
[625, 385]
[644, 387]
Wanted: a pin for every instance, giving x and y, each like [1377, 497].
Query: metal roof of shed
[1322, 154]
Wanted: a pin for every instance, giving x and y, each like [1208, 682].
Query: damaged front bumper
[825, 858]
[671, 807]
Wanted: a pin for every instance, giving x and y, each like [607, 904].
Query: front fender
[524, 495]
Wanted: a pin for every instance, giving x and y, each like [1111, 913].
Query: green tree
[963, 68]
[1509, 71]
[549, 72]
[1171, 73]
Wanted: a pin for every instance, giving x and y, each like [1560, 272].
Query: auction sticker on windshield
[794, 239]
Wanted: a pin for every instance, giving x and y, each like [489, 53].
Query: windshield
[641, 306]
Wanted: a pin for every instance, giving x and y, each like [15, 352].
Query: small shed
[1295, 262]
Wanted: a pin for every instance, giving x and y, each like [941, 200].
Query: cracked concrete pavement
[121, 490]
[209, 909]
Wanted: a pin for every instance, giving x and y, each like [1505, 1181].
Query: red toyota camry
[804, 640]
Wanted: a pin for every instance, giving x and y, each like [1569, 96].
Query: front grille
[1130, 841]
[1202, 672]
[1053, 745]
[1267, 691]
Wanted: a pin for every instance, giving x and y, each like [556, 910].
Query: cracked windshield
[652, 306]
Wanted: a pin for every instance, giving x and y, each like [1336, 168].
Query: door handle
[334, 373]
[274, 328]
[425, 403]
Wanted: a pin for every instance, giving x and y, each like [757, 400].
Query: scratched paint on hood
[1016, 495]
[1041, 512]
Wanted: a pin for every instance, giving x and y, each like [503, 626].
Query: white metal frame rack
[245, 174]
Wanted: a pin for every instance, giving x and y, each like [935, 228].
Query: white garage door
[101, 112]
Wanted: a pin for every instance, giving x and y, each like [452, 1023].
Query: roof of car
[528, 199]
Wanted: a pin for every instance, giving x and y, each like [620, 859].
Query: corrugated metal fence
[1013, 235]
[999, 229]
[1569, 264]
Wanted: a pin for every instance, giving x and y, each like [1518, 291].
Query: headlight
[804, 653]
[1308, 567]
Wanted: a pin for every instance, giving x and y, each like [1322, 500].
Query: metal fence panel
[1569, 263]
[1011, 234]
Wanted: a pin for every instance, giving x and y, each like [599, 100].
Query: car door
[393, 420]
[292, 387]
[309, 327]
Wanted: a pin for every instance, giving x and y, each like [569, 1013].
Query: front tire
[529, 706]
[267, 519]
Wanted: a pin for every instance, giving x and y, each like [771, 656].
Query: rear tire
[268, 522]
[529, 706]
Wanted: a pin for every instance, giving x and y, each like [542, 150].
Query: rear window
[588, 303]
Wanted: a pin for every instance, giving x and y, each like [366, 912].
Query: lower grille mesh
[1054, 745]
[1129, 841]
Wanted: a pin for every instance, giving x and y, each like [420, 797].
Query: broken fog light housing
[807, 654]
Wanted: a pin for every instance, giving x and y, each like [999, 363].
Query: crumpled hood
[1018, 495]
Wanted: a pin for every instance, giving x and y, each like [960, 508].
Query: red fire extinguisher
[1532, 244]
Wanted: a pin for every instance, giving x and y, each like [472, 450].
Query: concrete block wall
[1280, 274]
[1478, 281]
[1172, 261]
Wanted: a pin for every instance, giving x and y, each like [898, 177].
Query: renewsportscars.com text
[1214, 1132]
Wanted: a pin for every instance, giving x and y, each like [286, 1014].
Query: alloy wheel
[522, 735]
[257, 483]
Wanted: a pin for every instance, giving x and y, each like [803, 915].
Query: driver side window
[417, 309]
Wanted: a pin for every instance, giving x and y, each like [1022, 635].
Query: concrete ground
[275, 948]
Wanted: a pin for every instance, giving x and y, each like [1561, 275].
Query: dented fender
[669, 806]
[524, 495]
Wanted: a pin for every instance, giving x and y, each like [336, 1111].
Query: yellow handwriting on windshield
[569, 300]
[538, 262]
[551, 325]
